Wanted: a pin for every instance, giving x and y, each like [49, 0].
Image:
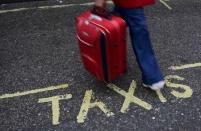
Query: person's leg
[141, 43]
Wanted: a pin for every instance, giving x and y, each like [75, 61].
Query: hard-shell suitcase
[102, 44]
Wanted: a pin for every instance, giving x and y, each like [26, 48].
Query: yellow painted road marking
[161, 97]
[129, 97]
[48, 7]
[187, 90]
[165, 4]
[55, 105]
[86, 105]
[185, 66]
[18, 94]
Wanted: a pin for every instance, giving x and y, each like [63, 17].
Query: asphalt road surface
[39, 56]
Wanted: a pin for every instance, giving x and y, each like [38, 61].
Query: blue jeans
[141, 43]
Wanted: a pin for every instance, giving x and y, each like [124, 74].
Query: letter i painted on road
[161, 97]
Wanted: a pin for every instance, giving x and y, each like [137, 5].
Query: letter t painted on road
[55, 105]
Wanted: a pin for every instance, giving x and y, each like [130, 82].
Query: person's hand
[101, 11]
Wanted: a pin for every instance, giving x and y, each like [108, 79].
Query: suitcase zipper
[104, 56]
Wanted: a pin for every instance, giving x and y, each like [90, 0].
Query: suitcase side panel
[116, 47]
[113, 58]
[89, 38]
[120, 52]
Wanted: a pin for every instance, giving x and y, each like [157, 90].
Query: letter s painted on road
[187, 90]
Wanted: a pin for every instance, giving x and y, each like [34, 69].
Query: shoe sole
[147, 86]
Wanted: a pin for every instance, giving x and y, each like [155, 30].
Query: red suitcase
[102, 45]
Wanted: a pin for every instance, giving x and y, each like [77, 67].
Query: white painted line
[165, 4]
[48, 7]
[185, 66]
[64, 6]
[17, 94]
[14, 10]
